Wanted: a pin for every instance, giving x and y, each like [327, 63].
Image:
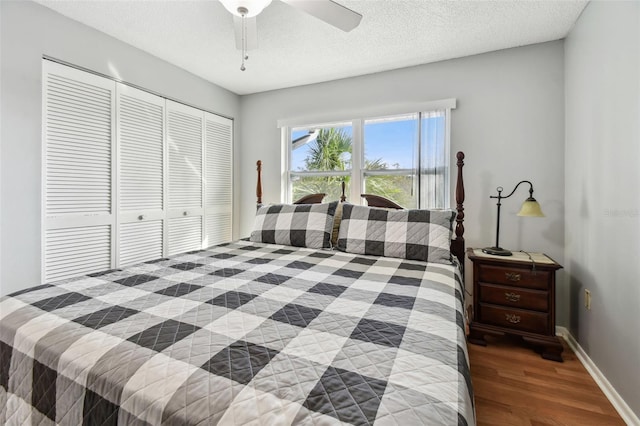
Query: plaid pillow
[408, 234]
[300, 225]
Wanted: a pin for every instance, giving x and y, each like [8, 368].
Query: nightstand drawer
[516, 319]
[512, 296]
[519, 277]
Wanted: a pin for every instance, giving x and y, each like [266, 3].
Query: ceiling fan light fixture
[245, 12]
[246, 8]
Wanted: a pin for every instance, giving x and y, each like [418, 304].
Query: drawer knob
[512, 318]
[141, 217]
[512, 297]
[512, 276]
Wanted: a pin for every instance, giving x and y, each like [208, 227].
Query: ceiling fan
[245, 12]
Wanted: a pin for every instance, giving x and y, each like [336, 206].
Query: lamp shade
[530, 208]
[253, 7]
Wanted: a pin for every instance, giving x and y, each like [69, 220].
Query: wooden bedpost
[259, 185]
[457, 245]
[343, 197]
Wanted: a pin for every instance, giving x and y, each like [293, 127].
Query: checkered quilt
[244, 333]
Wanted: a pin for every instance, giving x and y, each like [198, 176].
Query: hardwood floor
[514, 386]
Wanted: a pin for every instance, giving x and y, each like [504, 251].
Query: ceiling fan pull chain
[243, 13]
[245, 43]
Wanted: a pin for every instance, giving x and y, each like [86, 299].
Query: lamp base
[497, 251]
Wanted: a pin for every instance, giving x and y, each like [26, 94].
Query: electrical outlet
[587, 299]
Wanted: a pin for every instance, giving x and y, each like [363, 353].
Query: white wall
[29, 31]
[509, 122]
[602, 72]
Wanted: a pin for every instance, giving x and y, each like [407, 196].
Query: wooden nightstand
[515, 295]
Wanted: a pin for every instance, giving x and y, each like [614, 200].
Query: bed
[243, 333]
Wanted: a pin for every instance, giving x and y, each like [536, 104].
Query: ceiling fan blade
[329, 11]
[251, 35]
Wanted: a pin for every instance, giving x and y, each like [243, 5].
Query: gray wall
[509, 122]
[29, 31]
[602, 177]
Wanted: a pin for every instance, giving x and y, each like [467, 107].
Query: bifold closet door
[186, 180]
[219, 179]
[78, 172]
[141, 211]
[128, 176]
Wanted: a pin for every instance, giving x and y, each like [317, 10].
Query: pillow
[408, 234]
[300, 225]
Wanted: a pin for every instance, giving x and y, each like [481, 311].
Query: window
[390, 155]
[403, 157]
[320, 159]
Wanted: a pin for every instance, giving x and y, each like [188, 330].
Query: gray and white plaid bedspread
[244, 333]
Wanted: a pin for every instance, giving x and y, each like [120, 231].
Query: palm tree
[329, 151]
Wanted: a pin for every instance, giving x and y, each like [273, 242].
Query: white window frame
[357, 119]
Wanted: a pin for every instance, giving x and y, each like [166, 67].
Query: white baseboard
[609, 391]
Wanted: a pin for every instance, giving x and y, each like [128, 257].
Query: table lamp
[530, 208]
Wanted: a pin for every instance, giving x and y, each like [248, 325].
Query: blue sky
[392, 141]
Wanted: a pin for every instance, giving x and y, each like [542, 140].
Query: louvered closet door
[185, 189]
[141, 175]
[219, 179]
[78, 171]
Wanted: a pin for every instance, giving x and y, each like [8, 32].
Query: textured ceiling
[296, 49]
